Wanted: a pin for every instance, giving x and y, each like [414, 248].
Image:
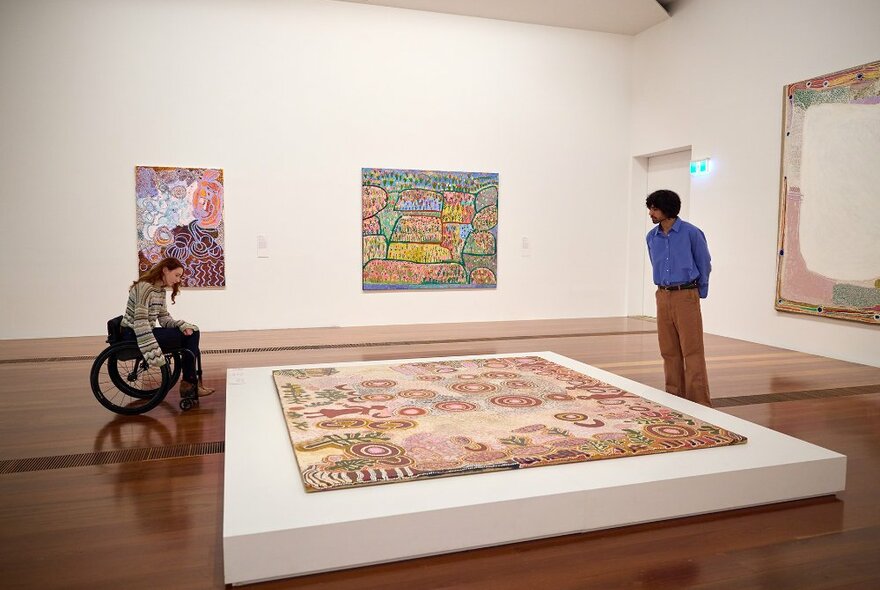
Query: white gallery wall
[291, 98]
[712, 77]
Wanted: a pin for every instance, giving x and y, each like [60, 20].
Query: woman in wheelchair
[146, 306]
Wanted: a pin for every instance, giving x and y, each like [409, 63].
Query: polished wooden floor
[74, 513]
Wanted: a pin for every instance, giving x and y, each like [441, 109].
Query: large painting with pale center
[371, 424]
[829, 244]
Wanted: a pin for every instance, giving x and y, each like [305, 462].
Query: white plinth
[273, 529]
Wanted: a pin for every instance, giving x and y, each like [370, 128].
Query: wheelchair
[124, 383]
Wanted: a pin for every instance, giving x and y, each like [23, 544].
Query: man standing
[680, 258]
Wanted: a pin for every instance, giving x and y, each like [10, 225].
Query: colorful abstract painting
[426, 229]
[829, 237]
[180, 214]
[372, 424]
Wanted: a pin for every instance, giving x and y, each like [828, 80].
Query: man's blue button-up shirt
[681, 256]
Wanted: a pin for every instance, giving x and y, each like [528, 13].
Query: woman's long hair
[154, 275]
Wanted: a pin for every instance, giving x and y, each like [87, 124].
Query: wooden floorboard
[136, 520]
[60, 347]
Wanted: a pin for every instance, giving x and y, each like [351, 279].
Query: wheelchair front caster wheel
[188, 403]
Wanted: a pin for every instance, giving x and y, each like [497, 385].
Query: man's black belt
[692, 285]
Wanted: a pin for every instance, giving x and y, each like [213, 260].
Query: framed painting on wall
[180, 214]
[427, 229]
[829, 236]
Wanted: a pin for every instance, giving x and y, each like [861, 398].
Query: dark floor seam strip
[111, 457]
[791, 396]
[86, 357]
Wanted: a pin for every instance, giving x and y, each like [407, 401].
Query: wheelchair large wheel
[130, 373]
[123, 383]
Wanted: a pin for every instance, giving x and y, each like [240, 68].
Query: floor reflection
[155, 491]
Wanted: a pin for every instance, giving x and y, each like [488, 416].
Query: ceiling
[627, 17]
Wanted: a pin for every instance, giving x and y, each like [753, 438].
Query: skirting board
[273, 529]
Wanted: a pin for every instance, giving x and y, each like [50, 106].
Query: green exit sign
[700, 167]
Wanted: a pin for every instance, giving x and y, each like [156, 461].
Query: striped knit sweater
[146, 306]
